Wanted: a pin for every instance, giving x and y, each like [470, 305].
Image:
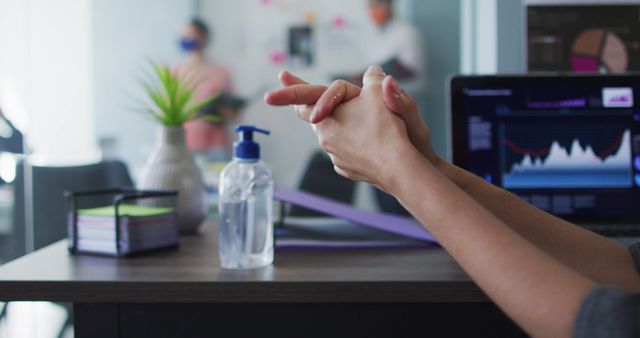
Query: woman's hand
[314, 103]
[363, 138]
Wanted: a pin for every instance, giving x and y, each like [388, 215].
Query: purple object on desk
[388, 223]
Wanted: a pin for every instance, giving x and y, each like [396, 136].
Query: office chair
[49, 205]
[389, 204]
[319, 178]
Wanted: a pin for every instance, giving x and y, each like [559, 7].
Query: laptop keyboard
[618, 231]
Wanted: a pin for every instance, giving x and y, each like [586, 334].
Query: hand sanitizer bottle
[246, 206]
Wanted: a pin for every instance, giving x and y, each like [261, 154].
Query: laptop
[567, 144]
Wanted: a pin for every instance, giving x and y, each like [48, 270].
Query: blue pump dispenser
[246, 206]
[246, 148]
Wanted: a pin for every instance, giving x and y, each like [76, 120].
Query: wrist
[451, 172]
[406, 165]
[440, 164]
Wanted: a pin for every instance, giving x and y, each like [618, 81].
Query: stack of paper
[141, 228]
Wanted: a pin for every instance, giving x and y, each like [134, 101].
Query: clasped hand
[366, 131]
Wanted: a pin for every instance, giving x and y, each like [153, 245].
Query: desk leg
[96, 320]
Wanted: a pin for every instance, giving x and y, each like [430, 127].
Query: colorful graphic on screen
[583, 38]
[599, 50]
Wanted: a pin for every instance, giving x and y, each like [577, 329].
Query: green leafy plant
[171, 96]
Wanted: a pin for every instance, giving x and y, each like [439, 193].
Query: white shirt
[401, 41]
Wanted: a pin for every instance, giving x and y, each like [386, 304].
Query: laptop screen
[568, 144]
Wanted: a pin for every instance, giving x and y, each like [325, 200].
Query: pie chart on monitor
[599, 50]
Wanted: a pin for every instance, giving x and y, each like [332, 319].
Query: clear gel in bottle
[246, 206]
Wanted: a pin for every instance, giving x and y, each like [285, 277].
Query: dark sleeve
[608, 312]
[635, 253]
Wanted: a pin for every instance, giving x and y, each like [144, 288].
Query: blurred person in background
[209, 141]
[397, 46]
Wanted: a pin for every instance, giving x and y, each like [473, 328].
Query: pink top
[203, 135]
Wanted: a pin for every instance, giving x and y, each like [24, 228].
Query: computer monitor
[568, 144]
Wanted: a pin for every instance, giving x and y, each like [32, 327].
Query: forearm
[596, 257]
[538, 292]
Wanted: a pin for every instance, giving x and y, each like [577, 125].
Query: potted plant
[170, 164]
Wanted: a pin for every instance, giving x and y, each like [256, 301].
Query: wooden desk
[185, 293]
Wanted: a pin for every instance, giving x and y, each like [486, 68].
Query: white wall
[46, 79]
[14, 56]
[479, 43]
[126, 36]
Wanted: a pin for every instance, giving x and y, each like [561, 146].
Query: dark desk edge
[242, 292]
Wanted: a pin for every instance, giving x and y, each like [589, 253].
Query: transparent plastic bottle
[246, 207]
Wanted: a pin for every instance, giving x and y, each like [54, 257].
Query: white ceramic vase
[171, 166]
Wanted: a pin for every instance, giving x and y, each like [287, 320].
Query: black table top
[192, 274]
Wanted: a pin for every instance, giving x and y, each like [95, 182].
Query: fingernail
[375, 69]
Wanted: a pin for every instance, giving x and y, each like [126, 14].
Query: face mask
[189, 45]
[378, 15]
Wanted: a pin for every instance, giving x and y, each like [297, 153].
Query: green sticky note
[131, 210]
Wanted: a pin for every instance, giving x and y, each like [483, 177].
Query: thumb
[403, 105]
[397, 100]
